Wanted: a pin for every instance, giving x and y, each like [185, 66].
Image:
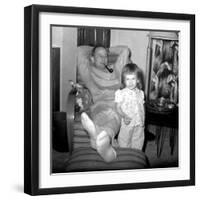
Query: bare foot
[104, 147]
[88, 125]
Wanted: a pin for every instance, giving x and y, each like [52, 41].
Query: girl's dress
[132, 104]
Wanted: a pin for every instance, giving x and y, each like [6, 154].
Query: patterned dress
[132, 104]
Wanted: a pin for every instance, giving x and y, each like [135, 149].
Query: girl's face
[130, 81]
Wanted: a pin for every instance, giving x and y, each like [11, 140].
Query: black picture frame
[31, 98]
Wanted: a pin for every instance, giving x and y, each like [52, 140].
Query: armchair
[82, 156]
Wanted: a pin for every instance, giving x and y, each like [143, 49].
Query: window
[94, 36]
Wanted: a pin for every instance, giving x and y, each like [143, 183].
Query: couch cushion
[80, 137]
[87, 159]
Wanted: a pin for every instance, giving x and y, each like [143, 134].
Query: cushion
[87, 159]
[80, 137]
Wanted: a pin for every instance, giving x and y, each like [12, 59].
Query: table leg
[172, 139]
[160, 138]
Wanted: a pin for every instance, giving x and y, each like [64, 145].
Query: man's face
[100, 58]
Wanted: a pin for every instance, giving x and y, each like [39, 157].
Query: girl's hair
[132, 68]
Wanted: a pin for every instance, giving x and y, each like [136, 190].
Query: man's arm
[123, 53]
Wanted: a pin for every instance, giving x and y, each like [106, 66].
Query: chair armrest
[70, 116]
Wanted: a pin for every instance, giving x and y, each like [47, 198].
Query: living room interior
[161, 128]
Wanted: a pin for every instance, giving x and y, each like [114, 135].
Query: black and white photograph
[100, 100]
[109, 100]
[114, 99]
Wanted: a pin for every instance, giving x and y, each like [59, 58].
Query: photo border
[31, 98]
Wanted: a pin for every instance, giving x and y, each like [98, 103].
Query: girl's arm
[119, 98]
[123, 115]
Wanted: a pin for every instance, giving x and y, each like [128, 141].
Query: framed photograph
[109, 99]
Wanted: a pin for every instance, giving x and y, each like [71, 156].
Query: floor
[165, 159]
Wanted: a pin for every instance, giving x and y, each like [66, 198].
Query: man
[104, 122]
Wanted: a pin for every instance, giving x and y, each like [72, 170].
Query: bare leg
[89, 126]
[104, 147]
[137, 140]
[125, 135]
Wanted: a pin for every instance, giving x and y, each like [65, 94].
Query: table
[167, 118]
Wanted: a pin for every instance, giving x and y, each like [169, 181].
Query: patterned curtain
[94, 36]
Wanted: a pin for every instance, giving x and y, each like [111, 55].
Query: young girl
[130, 106]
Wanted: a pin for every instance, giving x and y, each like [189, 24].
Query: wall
[137, 41]
[66, 39]
[57, 37]
[68, 69]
